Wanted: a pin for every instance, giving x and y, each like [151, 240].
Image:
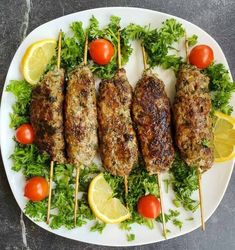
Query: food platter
[214, 181]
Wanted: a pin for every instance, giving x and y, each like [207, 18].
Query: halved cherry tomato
[149, 206]
[25, 134]
[201, 56]
[36, 189]
[101, 51]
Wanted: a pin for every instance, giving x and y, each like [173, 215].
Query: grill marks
[46, 115]
[151, 113]
[81, 117]
[193, 122]
[117, 139]
[53, 114]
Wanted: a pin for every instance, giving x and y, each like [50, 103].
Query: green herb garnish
[178, 223]
[98, 227]
[206, 143]
[28, 159]
[37, 210]
[130, 237]
[158, 42]
[72, 49]
[192, 40]
[221, 87]
[184, 182]
[190, 218]
[176, 203]
[22, 91]
[172, 214]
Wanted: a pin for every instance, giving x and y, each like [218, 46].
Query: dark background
[18, 18]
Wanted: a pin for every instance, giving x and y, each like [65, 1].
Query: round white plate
[214, 182]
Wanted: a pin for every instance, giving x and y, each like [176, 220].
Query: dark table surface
[18, 18]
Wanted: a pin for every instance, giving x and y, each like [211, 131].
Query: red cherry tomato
[201, 56]
[101, 51]
[36, 189]
[149, 206]
[25, 134]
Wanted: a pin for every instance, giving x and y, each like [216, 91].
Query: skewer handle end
[201, 200]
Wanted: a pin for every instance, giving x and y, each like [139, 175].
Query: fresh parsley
[172, 214]
[63, 198]
[192, 40]
[37, 210]
[184, 182]
[98, 227]
[130, 237]
[28, 159]
[158, 43]
[178, 223]
[221, 87]
[206, 143]
[190, 218]
[22, 91]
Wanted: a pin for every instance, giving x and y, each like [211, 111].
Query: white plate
[214, 181]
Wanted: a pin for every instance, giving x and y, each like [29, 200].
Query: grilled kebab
[152, 116]
[117, 138]
[46, 115]
[81, 117]
[193, 122]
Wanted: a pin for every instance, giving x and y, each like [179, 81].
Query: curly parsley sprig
[158, 43]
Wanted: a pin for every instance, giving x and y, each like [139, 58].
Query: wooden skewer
[199, 171]
[59, 50]
[126, 188]
[85, 51]
[76, 195]
[79, 166]
[52, 162]
[144, 57]
[158, 174]
[119, 67]
[50, 192]
[201, 200]
[186, 48]
[162, 205]
[119, 51]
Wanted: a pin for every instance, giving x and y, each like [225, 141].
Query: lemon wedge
[224, 137]
[102, 203]
[36, 58]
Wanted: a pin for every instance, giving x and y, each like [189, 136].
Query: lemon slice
[36, 58]
[103, 205]
[224, 137]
